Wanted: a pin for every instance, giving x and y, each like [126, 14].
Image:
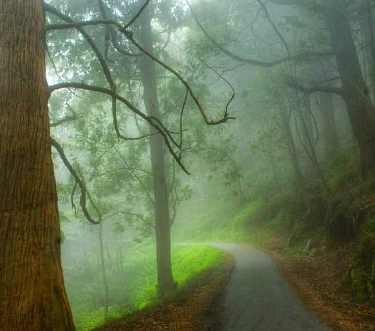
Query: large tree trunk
[32, 295]
[360, 110]
[162, 221]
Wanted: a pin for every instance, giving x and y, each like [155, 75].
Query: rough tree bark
[162, 220]
[32, 295]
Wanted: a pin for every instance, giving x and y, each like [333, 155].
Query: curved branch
[78, 180]
[230, 85]
[63, 120]
[157, 125]
[135, 176]
[75, 25]
[89, 40]
[184, 82]
[132, 214]
[137, 15]
[315, 88]
[252, 61]
[268, 17]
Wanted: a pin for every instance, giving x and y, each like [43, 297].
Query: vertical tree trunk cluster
[32, 294]
[162, 221]
[360, 109]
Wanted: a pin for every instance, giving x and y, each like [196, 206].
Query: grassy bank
[133, 288]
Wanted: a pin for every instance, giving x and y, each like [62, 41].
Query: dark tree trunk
[368, 30]
[360, 109]
[324, 71]
[162, 221]
[298, 177]
[32, 293]
[369, 56]
[274, 169]
[306, 125]
[104, 272]
[329, 130]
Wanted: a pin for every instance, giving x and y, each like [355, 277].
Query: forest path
[258, 298]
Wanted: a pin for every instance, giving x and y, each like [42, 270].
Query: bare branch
[133, 214]
[230, 85]
[314, 88]
[268, 17]
[137, 15]
[75, 25]
[156, 124]
[135, 176]
[63, 120]
[78, 180]
[252, 61]
[185, 83]
[89, 40]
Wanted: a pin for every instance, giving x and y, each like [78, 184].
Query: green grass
[227, 224]
[139, 282]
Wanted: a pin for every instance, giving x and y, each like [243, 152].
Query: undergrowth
[134, 288]
[286, 221]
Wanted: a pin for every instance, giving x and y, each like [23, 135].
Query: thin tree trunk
[298, 177]
[104, 273]
[329, 130]
[365, 29]
[274, 169]
[162, 221]
[32, 295]
[323, 71]
[306, 124]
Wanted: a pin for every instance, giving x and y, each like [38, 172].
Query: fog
[221, 121]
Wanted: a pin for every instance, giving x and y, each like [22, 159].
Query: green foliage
[249, 214]
[360, 278]
[238, 223]
[133, 287]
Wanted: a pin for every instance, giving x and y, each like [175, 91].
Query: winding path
[257, 298]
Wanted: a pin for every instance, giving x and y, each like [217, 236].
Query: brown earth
[317, 281]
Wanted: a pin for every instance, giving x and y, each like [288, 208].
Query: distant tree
[335, 16]
[162, 220]
[354, 89]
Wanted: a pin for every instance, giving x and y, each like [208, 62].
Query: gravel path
[258, 298]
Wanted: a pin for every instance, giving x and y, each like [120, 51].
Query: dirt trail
[258, 298]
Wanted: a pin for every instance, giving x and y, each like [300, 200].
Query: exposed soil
[318, 282]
